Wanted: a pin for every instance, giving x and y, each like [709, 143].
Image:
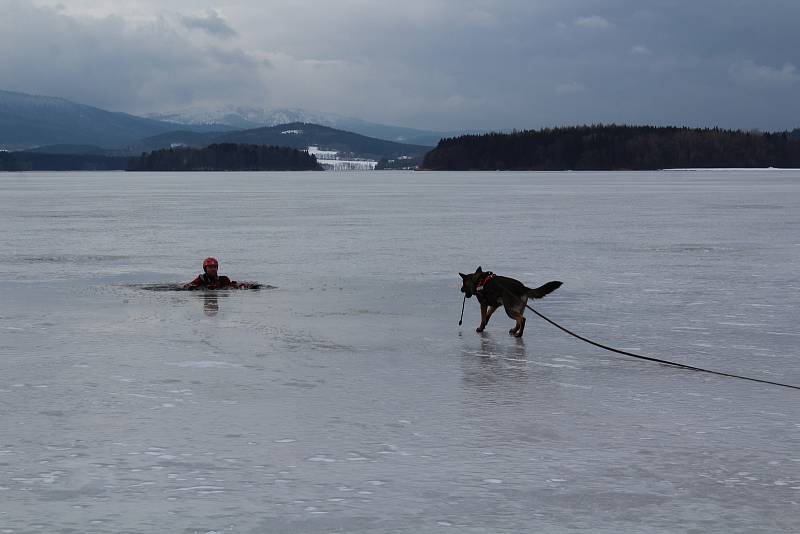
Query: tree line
[226, 157]
[615, 147]
[217, 157]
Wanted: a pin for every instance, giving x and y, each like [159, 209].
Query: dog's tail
[539, 292]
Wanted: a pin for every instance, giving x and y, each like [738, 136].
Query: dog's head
[469, 281]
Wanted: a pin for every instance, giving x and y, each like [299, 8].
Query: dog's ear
[478, 270]
[462, 275]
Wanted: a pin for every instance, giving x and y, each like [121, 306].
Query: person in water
[211, 280]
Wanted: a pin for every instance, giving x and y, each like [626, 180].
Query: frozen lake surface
[348, 400]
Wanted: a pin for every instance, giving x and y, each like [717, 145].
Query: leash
[639, 356]
[665, 362]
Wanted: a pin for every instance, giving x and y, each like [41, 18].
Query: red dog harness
[489, 277]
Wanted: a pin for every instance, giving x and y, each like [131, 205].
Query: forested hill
[226, 157]
[295, 135]
[615, 147]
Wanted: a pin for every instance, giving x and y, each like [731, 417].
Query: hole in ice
[181, 287]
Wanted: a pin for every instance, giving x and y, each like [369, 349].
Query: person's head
[210, 266]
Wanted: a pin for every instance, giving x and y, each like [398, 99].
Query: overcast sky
[434, 64]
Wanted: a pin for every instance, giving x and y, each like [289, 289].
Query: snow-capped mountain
[28, 121]
[244, 117]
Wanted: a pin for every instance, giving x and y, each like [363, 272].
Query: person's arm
[234, 283]
[194, 284]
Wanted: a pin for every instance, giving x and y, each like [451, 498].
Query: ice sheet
[348, 399]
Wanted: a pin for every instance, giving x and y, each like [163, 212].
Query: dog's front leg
[483, 318]
[486, 314]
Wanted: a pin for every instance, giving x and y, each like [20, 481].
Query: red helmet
[210, 261]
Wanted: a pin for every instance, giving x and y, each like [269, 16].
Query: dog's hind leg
[515, 311]
[519, 328]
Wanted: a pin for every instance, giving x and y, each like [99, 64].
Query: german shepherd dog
[494, 291]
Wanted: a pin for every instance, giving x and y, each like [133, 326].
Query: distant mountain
[295, 135]
[243, 118]
[28, 121]
[66, 149]
[251, 117]
[174, 139]
[399, 133]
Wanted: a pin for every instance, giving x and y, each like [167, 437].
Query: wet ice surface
[348, 399]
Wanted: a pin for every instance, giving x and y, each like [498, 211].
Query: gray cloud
[212, 24]
[593, 21]
[112, 63]
[748, 72]
[426, 63]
